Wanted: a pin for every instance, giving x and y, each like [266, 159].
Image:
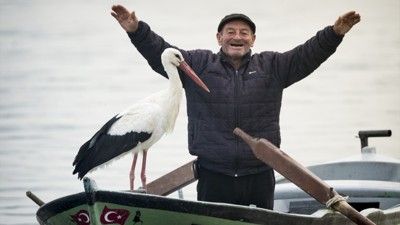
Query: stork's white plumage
[140, 126]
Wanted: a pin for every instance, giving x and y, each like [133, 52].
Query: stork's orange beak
[186, 68]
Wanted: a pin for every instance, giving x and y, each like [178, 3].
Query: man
[246, 92]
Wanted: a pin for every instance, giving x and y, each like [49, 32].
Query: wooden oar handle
[34, 198]
[287, 166]
[173, 180]
[299, 175]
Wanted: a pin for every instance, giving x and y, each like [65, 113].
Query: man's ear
[253, 39]
[219, 38]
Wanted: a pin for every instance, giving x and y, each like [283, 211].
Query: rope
[335, 200]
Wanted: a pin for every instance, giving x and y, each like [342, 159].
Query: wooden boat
[107, 207]
[371, 181]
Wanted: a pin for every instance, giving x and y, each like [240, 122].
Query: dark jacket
[249, 98]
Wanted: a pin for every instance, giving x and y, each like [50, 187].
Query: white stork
[137, 128]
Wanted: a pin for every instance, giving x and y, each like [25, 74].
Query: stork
[140, 126]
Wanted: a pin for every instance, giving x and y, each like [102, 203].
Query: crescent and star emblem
[84, 215]
[108, 214]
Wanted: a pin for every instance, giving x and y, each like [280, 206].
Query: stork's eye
[178, 56]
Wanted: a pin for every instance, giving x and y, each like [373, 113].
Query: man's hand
[127, 20]
[344, 23]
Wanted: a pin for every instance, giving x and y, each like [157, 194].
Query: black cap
[236, 16]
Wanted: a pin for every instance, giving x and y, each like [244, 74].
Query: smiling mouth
[236, 45]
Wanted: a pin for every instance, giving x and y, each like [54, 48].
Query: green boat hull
[109, 207]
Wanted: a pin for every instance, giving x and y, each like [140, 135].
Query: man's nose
[237, 35]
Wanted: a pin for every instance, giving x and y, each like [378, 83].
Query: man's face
[236, 39]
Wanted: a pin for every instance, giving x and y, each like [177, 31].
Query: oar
[173, 180]
[34, 198]
[300, 176]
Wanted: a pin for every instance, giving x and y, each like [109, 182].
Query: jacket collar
[224, 58]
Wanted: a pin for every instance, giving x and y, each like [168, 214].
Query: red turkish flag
[81, 217]
[111, 216]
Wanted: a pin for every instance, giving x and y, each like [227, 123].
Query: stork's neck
[174, 93]
[175, 83]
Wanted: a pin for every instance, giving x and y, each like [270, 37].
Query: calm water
[66, 67]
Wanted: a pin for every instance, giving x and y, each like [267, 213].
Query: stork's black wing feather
[103, 147]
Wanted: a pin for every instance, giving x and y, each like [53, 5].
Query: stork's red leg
[143, 173]
[132, 173]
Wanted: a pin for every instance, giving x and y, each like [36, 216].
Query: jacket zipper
[236, 109]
